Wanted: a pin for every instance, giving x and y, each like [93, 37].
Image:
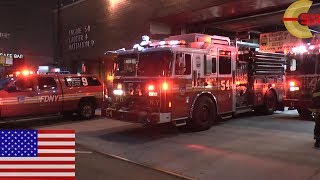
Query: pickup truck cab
[42, 95]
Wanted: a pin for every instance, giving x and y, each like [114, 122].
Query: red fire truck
[193, 80]
[302, 74]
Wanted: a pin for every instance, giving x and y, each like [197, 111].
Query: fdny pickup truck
[34, 95]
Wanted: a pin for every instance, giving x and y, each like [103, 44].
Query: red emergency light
[24, 72]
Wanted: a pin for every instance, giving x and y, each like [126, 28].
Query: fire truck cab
[33, 95]
[302, 75]
[193, 80]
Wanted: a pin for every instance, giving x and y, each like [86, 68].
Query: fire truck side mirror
[207, 65]
[293, 65]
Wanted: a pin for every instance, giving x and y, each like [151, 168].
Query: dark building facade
[26, 33]
[89, 28]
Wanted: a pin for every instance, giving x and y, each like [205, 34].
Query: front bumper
[142, 117]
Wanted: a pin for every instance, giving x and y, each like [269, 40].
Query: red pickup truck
[43, 95]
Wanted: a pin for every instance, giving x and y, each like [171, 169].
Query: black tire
[86, 110]
[203, 115]
[270, 103]
[304, 113]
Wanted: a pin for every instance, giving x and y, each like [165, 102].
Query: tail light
[165, 86]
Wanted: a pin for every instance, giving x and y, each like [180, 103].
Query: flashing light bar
[147, 43]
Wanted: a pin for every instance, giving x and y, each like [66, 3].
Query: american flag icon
[37, 154]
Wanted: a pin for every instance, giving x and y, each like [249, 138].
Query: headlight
[118, 92]
[294, 89]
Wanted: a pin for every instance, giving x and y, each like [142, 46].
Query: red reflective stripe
[37, 178]
[56, 147]
[38, 162]
[37, 170]
[56, 139]
[56, 131]
[56, 155]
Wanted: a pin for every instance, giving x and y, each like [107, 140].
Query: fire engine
[302, 74]
[193, 80]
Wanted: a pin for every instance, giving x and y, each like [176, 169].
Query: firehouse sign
[281, 41]
[79, 38]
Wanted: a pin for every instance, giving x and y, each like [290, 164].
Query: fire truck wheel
[304, 113]
[270, 103]
[204, 114]
[86, 110]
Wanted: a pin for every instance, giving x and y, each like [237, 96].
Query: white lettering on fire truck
[50, 98]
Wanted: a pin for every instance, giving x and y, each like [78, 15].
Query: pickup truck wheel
[87, 110]
[204, 114]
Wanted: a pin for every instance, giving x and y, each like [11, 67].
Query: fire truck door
[21, 98]
[225, 81]
[49, 94]
[183, 83]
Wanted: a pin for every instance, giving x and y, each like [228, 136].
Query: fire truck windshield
[303, 64]
[145, 64]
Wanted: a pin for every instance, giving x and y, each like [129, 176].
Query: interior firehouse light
[300, 49]
[312, 47]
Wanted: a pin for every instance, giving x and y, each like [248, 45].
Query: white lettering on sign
[4, 35]
[79, 38]
[16, 56]
[50, 98]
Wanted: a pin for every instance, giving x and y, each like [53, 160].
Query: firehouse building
[90, 28]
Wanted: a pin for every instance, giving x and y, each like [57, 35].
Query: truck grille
[305, 83]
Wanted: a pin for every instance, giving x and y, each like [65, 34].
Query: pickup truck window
[23, 85]
[81, 81]
[46, 83]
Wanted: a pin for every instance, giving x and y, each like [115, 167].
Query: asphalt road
[91, 165]
[249, 147]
